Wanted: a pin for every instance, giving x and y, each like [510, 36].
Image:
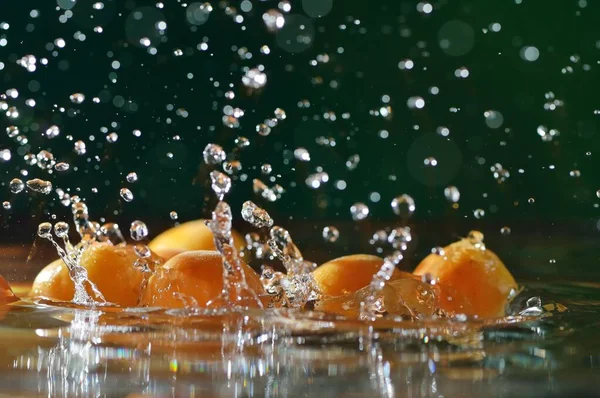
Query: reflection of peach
[6, 293]
[350, 273]
[192, 235]
[470, 270]
[110, 267]
[192, 274]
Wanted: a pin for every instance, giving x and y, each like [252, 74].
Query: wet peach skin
[467, 279]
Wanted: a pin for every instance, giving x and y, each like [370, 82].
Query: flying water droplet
[77, 98]
[132, 177]
[479, 213]
[256, 216]
[352, 162]
[138, 230]
[61, 166]
[254, 79]
[220, 183]
[331, 233]
[213, 154]
[403, 206]
[79, 147]
[126, 194]
[359, 211]
[38, 185]
[452, 194]
[16, 185]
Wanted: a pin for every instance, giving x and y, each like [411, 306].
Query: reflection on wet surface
[58, 351]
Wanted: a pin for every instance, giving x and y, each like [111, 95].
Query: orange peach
[192, 275]
[6, 293]
[348, 274]
[110, 267]
[192, 235]
[472, 279]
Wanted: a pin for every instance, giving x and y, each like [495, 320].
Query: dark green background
[554, 237]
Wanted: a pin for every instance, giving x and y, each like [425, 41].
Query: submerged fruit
[110, 267]
[6, 293]
[192, 235]
[348, 274]
[472, 279]
[192, 277]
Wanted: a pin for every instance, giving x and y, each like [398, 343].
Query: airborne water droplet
[452, 194]
[138, 230]
[255, 215]
[16, 185]
[359, 211]
[126, 194]
[254, 79]
[40, 186]
[220, 183]
[331, 233]
[79, 147]
[403, 206]
[132, 177]
[213, 154]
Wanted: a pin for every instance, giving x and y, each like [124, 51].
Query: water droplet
[280, 114]
[452, 194]
[331, 233]
[438, 250]
[79, 147]
[45, 160]
[479, 213]
[61, 166]
[126, 194]
[52, 132]
[112, 138]
[61, 229]
[403, 206]
[220, 183]
[499, 173]
[6, 205]
[138, 230]
[254, 79]
[317, 179]
[352, 162]
[400, 237]
[266, 169]
[430, 161]
[575, 173]
[40, 186]
[173, 215]
[302, 154]
[77, 98]
[273, 20]
[263, 129]
[44, 229]
[242, 142]
[505, 231]
[12, 131]
[255, 215]
[16, 185]
[132, 177]
[213, 154]
[359, 211]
